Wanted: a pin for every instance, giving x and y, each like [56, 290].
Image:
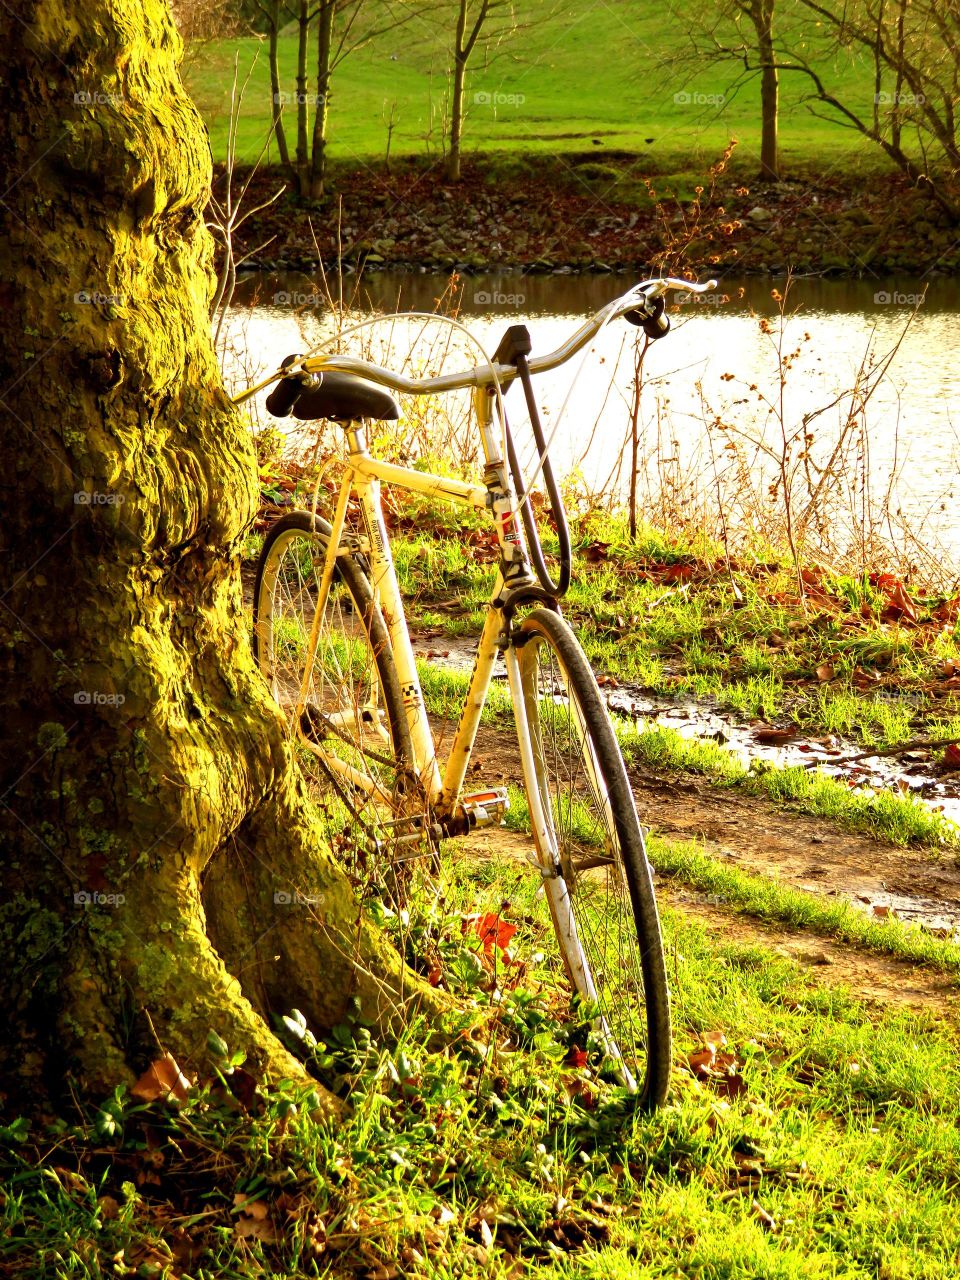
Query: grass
[548, 101]
[900, 819]
[825, 1145]
[668, 620]
[766, 899]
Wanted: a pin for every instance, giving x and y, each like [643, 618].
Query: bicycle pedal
[486, 808]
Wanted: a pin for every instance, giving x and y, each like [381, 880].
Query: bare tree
[486, 26]
[741, 31]
[340, 27]
[473, 26]
[912, 46]
[914, 49]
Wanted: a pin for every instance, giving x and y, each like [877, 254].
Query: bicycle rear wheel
[353, 709]
[602, 898]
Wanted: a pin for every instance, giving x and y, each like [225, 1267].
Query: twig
[915, 745]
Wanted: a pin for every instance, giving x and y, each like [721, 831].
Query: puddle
[914, 773]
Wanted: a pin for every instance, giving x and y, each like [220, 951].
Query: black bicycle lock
[515, 346]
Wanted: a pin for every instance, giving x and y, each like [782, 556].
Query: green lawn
[604, 73]
[817, 1137]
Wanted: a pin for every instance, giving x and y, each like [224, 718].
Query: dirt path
[880, 979]
[806, 852]
[786, 845]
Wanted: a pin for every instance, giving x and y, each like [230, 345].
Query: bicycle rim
[602, 898]
[353, 712]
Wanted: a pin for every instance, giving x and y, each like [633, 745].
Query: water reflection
[718, 363]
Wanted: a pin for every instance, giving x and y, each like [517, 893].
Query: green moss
[52, 737]
[156, 970]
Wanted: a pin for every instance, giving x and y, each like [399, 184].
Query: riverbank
[592, 212]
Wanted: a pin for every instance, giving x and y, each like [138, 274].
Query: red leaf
[677, 572]
[951, 756]
[493, 932]
[577, 1057]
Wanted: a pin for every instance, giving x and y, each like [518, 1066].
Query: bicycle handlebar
[638, 299]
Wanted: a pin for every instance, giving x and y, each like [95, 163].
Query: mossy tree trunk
[153, 827]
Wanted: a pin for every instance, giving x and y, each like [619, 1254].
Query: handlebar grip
[284, 396]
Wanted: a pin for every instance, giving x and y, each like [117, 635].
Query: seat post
[356, 438]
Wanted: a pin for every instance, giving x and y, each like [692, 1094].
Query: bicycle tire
[602, 902]
[355, 707]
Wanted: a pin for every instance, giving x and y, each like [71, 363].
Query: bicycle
[331, 638]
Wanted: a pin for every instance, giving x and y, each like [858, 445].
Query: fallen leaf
[825, 672]
[899, 604]
[162, 1079]
[253, 1219]
[493, 931]
[109, 1208]
[773, 737]
[951, 756]
[243, 1086]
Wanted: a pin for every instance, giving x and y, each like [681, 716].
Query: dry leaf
[825, 672]
[253, 1219]
[766, 1220]
[162, 1079]
[773, 737]
[109, 1208]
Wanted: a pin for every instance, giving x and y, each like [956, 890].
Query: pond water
[720, 363]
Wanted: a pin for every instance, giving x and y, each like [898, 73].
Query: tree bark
[456, 119]
[279, 130]
[303, 153]
[153, 825]
[769, 91]
[318, 157]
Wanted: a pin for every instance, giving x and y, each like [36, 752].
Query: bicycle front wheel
[353, 710]
[601, 895]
